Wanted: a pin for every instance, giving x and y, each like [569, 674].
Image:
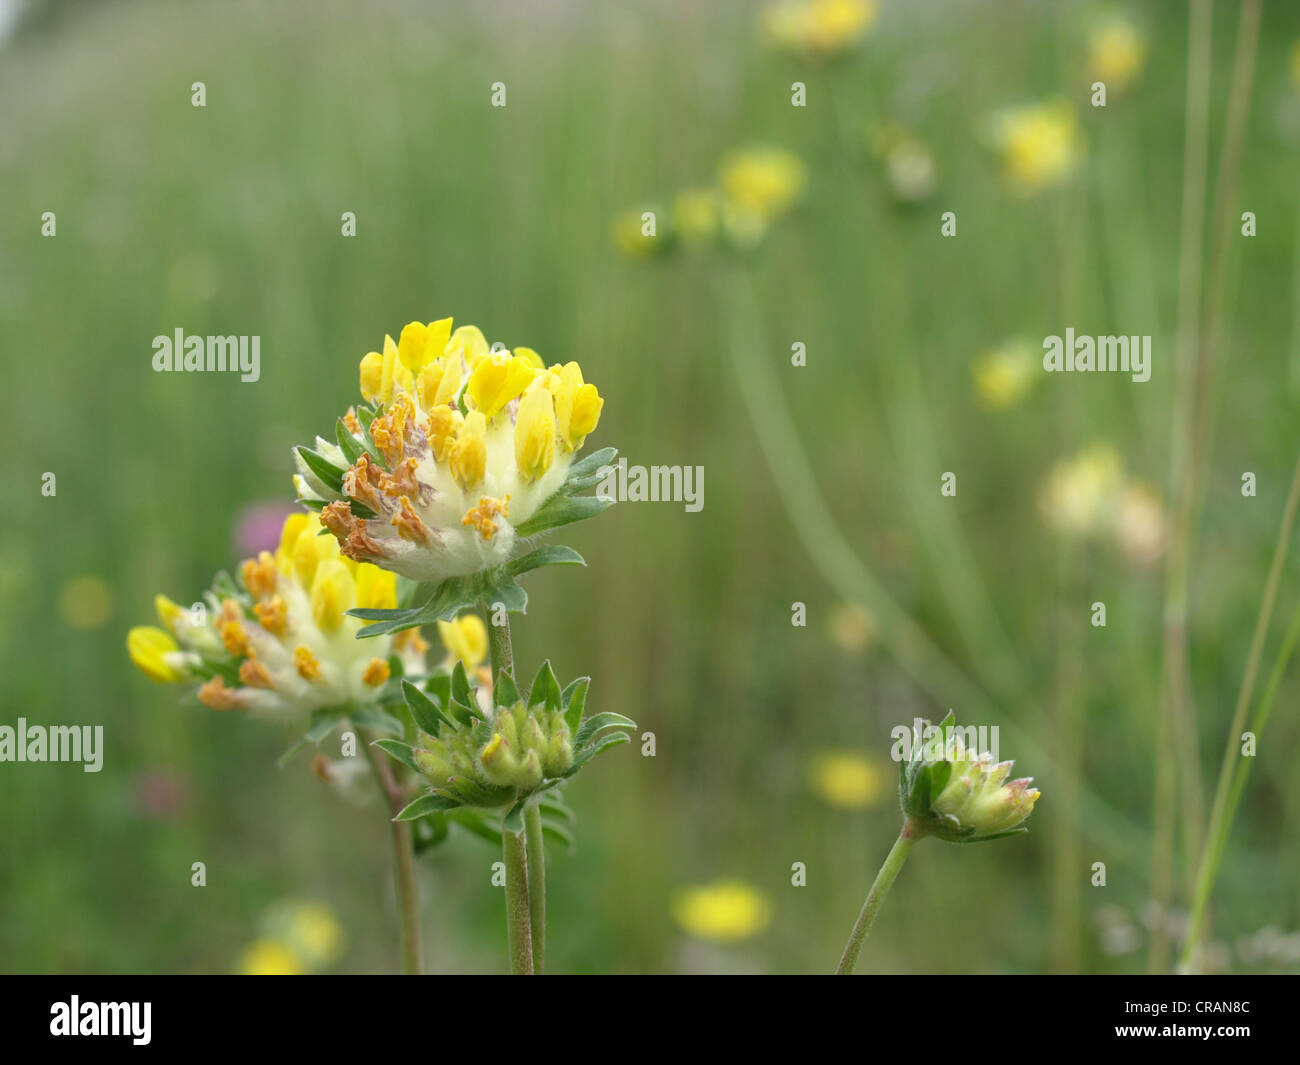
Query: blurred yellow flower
[1082, 492]
[1039, 144]
[1293, 65]
[1005, 375]
[725, 911]
[637, 235]
[1117, 51]
[1140, 524]
[466, 641]
[851, 627]
[763, 181]
[86, 603]
[269, 957]
[845, 779]
[314, 932]
[818, 27]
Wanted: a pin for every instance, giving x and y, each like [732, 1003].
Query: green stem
[536, 884]
[518, 921]
[875, 897]
[408, 906]
[1173, 707]
[1233, 772]
[525, 876]
[499, 646]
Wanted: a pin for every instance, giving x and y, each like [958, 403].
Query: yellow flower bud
[535, 434]
[148, 647]
[577, 406]
[498, 379]
[421, 344]
[332, 592]
[372, 376]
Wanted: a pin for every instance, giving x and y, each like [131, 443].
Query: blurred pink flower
[160, 793]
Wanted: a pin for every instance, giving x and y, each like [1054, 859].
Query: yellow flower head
[1117, 51]
[460, 445]
[1004, 376]
[763, 182]
[279, 643]
[466, 641]
[1081, 493]
[636, 233]
[845, 779]
[1039, 144]
[819, 28]
[727, 911]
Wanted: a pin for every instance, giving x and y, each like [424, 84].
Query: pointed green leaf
[330, 475]
[546, 689]
[403, 752]
[587, 755]
[551, 555]
[574, 698]
[595, 724]
[560, 510]
[426, 713]
[505, 693]
[425, 805]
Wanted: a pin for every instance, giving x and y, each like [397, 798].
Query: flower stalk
[408, 906]
[876, 896]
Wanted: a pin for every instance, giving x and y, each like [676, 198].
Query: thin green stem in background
[536, 883]
[1174, 660]
[408, 903]
[1227, 792]
[871, 907]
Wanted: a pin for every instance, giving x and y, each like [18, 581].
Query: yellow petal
[498, 379]
[372, 376]
[468, 343]
[167, 611]
[376, 588]
[530, 357]
[468, 456]
[147, 646]
[465, 639]
[535, 434]
[332, 593]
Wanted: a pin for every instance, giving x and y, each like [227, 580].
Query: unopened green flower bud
[530, 771]
[434, 766]
[500, 766]
[558, 758]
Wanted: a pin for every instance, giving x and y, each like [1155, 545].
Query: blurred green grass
[226, 219]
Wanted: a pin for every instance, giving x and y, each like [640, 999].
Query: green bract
[502, 757]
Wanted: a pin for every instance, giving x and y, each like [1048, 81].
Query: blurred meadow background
[922, 357]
